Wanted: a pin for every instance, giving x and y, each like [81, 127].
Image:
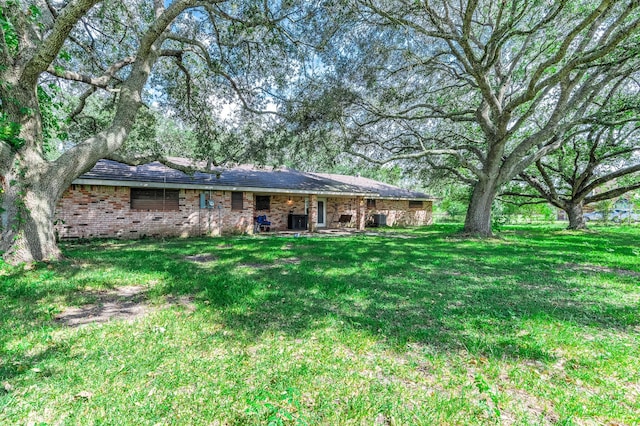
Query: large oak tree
[480, 88]
[596, 163]
[60, 56]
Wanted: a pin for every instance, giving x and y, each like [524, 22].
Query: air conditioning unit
[379, 220]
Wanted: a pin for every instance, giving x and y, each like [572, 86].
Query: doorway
[322, 212]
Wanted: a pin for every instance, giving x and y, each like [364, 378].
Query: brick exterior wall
[94, 211]
[280, 207]
[339, 206]
[397, 211]
[399, 214]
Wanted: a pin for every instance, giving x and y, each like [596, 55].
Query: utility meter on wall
[206, 203]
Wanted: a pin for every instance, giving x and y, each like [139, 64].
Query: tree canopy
[481, 89]
[74, 76]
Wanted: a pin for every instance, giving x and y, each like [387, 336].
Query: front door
[322, 212]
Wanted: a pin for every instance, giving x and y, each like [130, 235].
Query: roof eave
[138, 184]
[407, 198]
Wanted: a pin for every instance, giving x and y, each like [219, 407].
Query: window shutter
[236, 201]
[156, 199]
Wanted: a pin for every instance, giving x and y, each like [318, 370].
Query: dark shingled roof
[380, 188]
[245, 177]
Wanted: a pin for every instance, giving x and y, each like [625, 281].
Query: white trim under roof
[405, 198]
[137, 184]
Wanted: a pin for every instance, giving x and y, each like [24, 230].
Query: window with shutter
[156, 199]
[236, 201]
[413, 204]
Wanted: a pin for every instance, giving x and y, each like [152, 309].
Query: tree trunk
[28, 201]
[31, 185]
[478, 220]
[576, 218]
[27, 232]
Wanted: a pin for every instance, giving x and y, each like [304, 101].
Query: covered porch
[309, 212]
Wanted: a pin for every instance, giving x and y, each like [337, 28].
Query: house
[122, 201]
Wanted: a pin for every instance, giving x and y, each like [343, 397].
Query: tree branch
[100, 82]
[612, 193]
[81, 157]
[612, 176]
[540, 189]
[189, 168]
[82, 102]
[547, 180]
[539, 200]
[50, 47]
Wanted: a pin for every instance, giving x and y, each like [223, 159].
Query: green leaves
[49, 108]
[10, 132]
[64, 55]
[34, 12]
[9, 32]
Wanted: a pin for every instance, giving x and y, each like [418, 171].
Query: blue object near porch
[262, 224]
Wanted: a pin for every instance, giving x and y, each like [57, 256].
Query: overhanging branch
[82, 102]
[54, 41]
[612, 176]
[99, 82]
[612, 193]
[188, 167]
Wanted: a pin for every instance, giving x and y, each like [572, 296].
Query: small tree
[606, 207]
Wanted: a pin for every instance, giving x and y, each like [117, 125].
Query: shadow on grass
[24, 364]
[435, 290]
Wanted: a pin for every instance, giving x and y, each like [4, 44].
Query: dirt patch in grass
[121, 303]
[288, 261]
[600, 269]
[201, 258]
[255, 265]
[278, 262]
[534, 407]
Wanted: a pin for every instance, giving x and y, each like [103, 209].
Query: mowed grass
[536, 326]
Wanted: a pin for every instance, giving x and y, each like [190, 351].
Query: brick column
[248, 213]
[313, 213]
[361, 213]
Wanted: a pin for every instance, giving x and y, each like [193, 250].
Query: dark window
[263, 202]
[155, 199]
[413, 204]
[371, 203]
[236, 201]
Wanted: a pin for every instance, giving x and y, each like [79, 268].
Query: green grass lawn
[536, 326]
